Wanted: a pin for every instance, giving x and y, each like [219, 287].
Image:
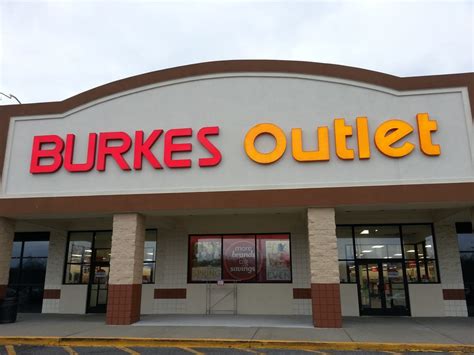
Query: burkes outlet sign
[392, 138]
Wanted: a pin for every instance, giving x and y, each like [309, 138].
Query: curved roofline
[234, 66]
[263, 66]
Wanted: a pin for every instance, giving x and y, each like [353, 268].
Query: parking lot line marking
[315, 351]
[251, 351]
[127, 350]
[192, 351]
[10, 349]
[69, 350]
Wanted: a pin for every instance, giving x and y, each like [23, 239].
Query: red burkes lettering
[51, 152]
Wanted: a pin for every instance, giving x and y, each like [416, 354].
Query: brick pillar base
[3, 291]
[123, 304]
[326, 304]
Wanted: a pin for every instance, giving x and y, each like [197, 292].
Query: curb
[232, 343]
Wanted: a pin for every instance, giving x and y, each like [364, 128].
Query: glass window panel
[80, 247]
[274, 261]
[377, 242]
[420, 239]
[420, 250]
[467, 263]
[410, 251]
[345, 246]
[412, 274]
[14, 271]
[149, 254]
[16, 251]
[148, 273]
[239, 258]
[73, 274]
[102, 255]
[101, 275]
[466, 241]
[347, 271]
[432, 273]
[394, 252]
[429, 247]
[33, 270]
[86, 270]
[103, 240]
[395, 296]
[150, 235]
[423, 274]
[393, 272]
[205, 254]
[150, 245]
[35, 249]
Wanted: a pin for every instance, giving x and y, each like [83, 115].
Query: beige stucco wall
[251, 298]
[349, 300]
[55, 265]
[426, 300]
[55, 269]
[147, 298]
[73, 299]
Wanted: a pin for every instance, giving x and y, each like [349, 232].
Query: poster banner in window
[277, 258]
[206, 259]
[239, 259]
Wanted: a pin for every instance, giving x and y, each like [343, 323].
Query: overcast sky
[53, 50]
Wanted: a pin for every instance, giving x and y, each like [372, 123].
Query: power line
[10, 96]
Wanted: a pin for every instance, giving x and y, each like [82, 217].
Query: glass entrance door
[99, 273]
[98, 288]
[382, 288]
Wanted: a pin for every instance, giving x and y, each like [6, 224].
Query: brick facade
[123, 306]
[51, 295]
[326, 304]
[453, 295]
[324, 267]
[170, 293]
[302, 293]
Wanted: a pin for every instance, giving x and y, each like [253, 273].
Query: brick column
[7, 233]
[325, 288]
[126, 269]
[450, 269]
[54, 271]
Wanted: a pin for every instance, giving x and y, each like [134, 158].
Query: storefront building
[243, 187]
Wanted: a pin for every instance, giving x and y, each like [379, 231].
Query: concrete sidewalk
[401, 330]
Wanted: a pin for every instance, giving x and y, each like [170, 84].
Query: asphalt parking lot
[40, 350]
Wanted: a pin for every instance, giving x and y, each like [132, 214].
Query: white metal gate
[221, 298]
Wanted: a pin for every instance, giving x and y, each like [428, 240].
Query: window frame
[24, 237]
[345, 260]
[403, 259]
[147, 262]
[94, 231]
[221, 236]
